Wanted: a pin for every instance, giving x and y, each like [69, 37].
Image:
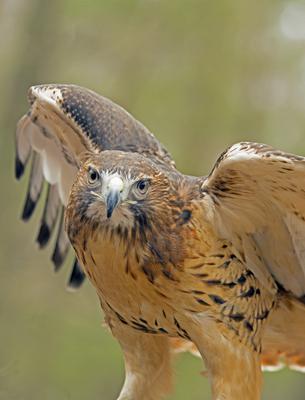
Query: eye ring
[93, 176]
[141, 187]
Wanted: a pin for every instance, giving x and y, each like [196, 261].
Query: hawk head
[133, 197]
[120, 189]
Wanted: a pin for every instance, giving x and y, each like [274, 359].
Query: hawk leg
[147, 364]
[233, 368]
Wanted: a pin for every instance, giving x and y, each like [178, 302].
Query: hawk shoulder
[254, 197]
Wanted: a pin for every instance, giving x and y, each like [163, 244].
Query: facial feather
[153, 219]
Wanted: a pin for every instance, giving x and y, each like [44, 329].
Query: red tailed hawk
[212, 264]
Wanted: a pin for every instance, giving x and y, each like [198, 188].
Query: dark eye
[142, 186]
[93, 176]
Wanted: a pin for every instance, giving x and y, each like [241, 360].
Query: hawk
[213, 264]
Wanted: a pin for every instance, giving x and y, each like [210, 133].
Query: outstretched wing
[63, 122]
[255, 197]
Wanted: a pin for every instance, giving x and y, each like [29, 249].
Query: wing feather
[23, 145]
[65, 121]
[255, 197]
[34, 187]
[77, 276]
[62, 245]
[49, 216]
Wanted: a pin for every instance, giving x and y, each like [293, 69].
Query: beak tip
[112, 202]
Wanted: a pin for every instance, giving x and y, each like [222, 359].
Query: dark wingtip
[19, 168]
[57, 258]
[77, 277]
[43, 235]
[28, 208]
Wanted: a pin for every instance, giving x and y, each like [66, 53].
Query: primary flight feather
[211, 264]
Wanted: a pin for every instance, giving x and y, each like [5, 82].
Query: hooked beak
[115, 187]
[112, 201]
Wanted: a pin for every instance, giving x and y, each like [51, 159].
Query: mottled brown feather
[214, 262]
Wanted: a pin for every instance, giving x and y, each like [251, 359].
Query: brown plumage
[212, 264]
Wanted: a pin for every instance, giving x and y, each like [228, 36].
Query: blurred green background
[199, 74]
